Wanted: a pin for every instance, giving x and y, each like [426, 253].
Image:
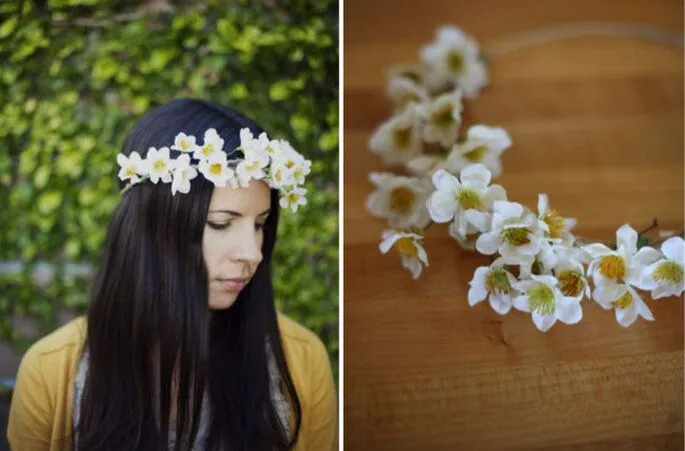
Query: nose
[249, 248]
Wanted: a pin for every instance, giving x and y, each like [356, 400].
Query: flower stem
[654, 225]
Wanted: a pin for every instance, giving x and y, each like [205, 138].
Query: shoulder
[304, 349]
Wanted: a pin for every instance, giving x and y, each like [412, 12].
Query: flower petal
[543, 204]
[627, 236]
[627, 316]
[569, 311]
[441, 206]
[487, 243]
[500, 304]
[521, 303]
[476, 173]
[444, 181]
[544, 323]
[674, 249]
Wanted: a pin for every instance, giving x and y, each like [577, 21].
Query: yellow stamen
[252, 166]
[159, 165]
[290, 164]
[185, 144]
[476, 154]
[541, 298]
[278, 175]
[612, 266]
[407, 247]
[497, 281]
[516, 236]
[571, 283]
[293, 198]
[669, 271]
[469, 198]
[455, 61]
[215, 168]
[443, 117]
[555, 223]
[402, 137]
[207, 149]
[402, 200]
[130, 171]
[624, 301]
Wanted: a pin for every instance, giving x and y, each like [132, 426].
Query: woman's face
[232, 240]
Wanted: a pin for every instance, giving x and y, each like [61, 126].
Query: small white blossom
[442, 118]
[665, 277]
[184, 143]
[159, 164]
[399, 138]
[453, 58]
[252, 167]
[293, 198]
[484, 145]
[212, 144]
[571, 279]
[216, 170]
[542, 298]
[182, 175]
[495, 283]
[625, 301]
[454, 197]
[401, 200]
[409, 246]
[403, 90]
[131, 167]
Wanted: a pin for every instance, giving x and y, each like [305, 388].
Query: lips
[233, 285]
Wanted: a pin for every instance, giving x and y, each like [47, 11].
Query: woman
[182, 347]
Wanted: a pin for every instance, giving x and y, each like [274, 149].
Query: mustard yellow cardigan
[41, 411]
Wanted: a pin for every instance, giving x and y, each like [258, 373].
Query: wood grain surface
[597, 123]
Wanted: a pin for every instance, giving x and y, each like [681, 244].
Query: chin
[222, 301]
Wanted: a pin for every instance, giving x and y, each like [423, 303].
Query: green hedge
[77, 74]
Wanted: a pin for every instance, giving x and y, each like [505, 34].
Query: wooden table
[597, 123]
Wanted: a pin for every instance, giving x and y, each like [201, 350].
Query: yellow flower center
[290, 164]
[624, 301]
[130, 171]
[469, 198]
[278, 175]
[252, 166]
[555, 223]
[669, 271]
[185, 144]
[293, 198]
[401, 200]
[516, 236]
[215, 168]
[411, 74]
[612, 266]
[571, 283]
[159, 165]
[402, 137]
[497, 281]
[455, 61]
[298, 173]
[541, 298]
[207, 149]
[443, 117]
[407, 247]
[476, 154]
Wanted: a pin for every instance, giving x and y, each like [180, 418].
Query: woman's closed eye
[219, 225]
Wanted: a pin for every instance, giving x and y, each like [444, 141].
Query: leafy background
[75, 75]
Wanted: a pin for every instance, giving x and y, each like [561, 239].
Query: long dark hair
[150, 329]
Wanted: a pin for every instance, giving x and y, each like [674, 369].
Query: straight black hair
[154, 343]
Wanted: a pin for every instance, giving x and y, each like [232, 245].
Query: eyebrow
[238, 214]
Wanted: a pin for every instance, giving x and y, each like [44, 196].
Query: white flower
[423, 164]
[216, 170]
[183, 174]
[159, 164]
[399, 138]
[514, 234]
[453, 58]
[252, 167]
[571, 278]
[625, 264]
[543, 299]
[401, 200]
[557, 228]
[466, 240]
[414, 256]
[483, 144]
[496, 282]
[405, 85]
[665, 276]
[132, 167]
[625, 301]
[293, 198]
[442, 117]
[280, 176]
[454, 197]
[184, 143]
[211, 145]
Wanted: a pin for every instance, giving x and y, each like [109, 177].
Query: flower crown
[538, 266]
[272, 161]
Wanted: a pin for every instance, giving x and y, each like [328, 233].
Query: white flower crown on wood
[538, 266]
[272, 161]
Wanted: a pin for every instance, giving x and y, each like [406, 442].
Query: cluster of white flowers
[272, 161]
[538, 265]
